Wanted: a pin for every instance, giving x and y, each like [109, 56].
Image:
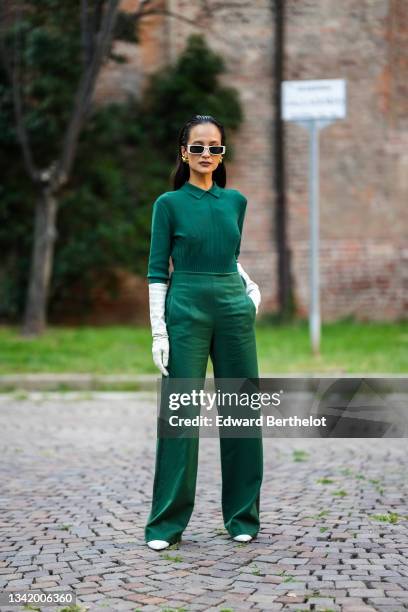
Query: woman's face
[205, 134]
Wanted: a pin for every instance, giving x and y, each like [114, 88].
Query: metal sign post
[314, 105]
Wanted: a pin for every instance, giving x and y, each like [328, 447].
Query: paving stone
[359, 608]
[366, 593]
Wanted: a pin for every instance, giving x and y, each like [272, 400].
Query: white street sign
[318, 99]
[314, 105]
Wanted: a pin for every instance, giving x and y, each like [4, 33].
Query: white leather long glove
[160, 348]
[251, 287]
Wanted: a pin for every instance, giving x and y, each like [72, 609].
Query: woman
[208, 309]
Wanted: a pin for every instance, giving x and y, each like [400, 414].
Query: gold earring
[185, 159]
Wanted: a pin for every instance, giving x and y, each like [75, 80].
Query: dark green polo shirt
[199, 229]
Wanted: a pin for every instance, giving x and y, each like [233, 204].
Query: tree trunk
[41, 263]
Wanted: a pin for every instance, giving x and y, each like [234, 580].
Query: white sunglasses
[197, 149]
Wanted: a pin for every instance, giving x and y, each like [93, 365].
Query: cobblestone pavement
[77, 474]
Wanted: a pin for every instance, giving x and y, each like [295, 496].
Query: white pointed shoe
[158, 544]
[243, 537]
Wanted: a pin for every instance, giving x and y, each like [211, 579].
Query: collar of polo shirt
[197, 192]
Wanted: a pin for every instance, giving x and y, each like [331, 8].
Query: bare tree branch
[84, 93]
[96, 21]
[139, 14]
[13, 69]
[3, 49]
[86, 34]
[87, 84]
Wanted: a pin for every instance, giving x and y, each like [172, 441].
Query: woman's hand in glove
[157, 303]
[252, 289]
[160, 351]
[256, 298]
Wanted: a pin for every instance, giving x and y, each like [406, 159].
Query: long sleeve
[160, 244]
[240, 225]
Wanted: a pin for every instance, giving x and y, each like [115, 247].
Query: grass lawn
[346, 346]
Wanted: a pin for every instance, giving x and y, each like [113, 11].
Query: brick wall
[363, 159]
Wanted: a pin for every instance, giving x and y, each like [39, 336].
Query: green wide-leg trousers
[207, 314]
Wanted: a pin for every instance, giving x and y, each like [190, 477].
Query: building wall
[363, 159]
